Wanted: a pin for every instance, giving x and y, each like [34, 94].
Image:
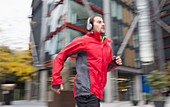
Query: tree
[157, 80]
[167, 71]
[15, 65]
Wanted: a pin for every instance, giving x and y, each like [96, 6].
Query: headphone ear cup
[89, 25]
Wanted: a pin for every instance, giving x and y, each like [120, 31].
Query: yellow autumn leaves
[15, 62]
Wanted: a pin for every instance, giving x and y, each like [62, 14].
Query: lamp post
[6, 92]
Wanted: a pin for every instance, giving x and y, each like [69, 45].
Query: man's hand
[118, 60]
[58, 91]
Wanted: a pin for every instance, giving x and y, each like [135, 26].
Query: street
[27, 103]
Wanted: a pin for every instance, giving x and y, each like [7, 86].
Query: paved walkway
[26, 103]
[129, 104]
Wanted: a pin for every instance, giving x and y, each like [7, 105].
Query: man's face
[98, 25]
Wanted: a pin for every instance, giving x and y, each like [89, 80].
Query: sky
[14, 23]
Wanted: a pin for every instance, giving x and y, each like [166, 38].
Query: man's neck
[101, 35]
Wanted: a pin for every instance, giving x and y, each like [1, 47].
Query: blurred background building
[156, 30]
[55, 23]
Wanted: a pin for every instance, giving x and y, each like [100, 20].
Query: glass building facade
[165, 16]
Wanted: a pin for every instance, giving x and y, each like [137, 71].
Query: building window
[119, 12]
[73, 34]
[56, 18]
[77, 14]
[113, 8]
[96, 3]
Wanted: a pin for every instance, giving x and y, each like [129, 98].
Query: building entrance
[125, 86]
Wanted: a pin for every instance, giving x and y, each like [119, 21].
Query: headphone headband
[89, 25]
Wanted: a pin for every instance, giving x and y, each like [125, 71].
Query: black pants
[88, 101]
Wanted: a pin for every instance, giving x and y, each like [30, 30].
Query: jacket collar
[96, 35]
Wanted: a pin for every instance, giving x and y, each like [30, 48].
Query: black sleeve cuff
[56, 86]
[111, 65]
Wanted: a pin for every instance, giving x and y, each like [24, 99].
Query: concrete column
[116, 85]
[43, 85]
[145, 34]
[34, 86]
[43, 73]
[108, 89]
[107, 20]
[27, 90]
[107, 17]
[137, 87]
[114, 82]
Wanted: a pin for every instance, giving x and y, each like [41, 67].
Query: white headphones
[89, 25]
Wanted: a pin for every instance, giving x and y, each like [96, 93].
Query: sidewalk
[26, 103]
[129, 104]
[124, 104]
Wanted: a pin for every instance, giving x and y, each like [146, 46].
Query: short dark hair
[92, 19]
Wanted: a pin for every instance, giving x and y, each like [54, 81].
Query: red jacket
[93, 61]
